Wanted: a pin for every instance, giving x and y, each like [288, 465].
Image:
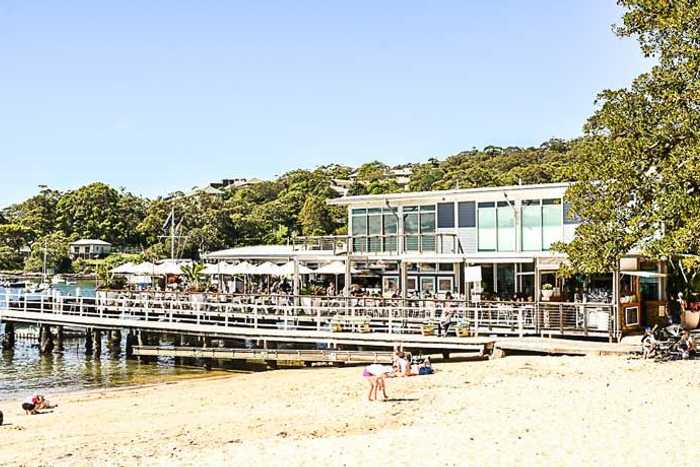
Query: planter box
[462, 331]
[428, 330]
[336, 327]
[364, 328]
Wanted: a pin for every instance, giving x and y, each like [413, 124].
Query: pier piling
[8, 342]
[130, 341]
[97, 342]
[88, 342]
[58, 339]
[45, 339]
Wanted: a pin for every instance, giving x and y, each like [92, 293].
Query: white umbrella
[267, 269]
[126, 268]
[335, 268]
[288, 269]
[144, 268]
[168, 268]
[240, 268]
[215, 269]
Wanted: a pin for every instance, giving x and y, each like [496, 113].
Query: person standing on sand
[375, 374]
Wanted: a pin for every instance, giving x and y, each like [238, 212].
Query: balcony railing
[438, 243]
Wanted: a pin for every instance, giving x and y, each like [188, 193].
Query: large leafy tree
[100, 211]
[55, 248]
[37, 213]
[638, 169]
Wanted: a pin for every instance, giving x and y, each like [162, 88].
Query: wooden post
[88, 342]
[46, 345]
[97, 342]
[58, 346]
[8, 342]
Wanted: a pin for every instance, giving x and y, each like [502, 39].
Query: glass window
[506, 227]
[359, 229]
[532, 225]
[446, 215]
[427, 284]
[446, 267]
[411, 229]
[487, 227]
[427, 229]
[649, 286]
[467, 213]
[390, 284]
[412, 283]
[427, 267]
[445, 284]
[487, 283]
[374, 229]
[552, 218]
[506, 280]
[391, 229]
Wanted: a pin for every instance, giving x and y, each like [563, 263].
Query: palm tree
[193, 275]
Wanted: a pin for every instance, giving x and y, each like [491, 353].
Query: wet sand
[511, 411]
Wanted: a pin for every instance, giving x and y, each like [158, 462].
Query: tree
[101, 212]
[37, 213]
[16, 236]
[10, 259]
[56, 247]
[314, 217]
[638, 167]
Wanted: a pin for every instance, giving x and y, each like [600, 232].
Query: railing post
[80, 308]
[255, 315]
[585, 319]
[318, 315]
[41, 306]
[476, 320]
[561, 319]
[520, 321]
[391, 320]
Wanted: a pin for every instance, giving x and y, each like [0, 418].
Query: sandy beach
[511, 411]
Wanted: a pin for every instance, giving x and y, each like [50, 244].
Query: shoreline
[519, 410]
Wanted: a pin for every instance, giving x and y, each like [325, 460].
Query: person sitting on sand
[30, 405]
[687, 345]
[375, 374]
[402, 365]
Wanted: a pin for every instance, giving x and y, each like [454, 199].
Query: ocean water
[24, 371]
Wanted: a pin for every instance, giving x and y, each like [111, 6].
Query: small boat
[55, 280]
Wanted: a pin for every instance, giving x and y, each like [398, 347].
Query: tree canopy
[638, 165]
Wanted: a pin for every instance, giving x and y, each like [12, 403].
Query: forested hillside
[266, 212]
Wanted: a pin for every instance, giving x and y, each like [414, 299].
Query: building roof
[268, 252]
[413, 195]
[87, 241]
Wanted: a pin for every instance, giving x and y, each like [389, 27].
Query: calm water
[23, 370]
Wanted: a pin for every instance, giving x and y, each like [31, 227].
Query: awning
[334, 268]
[645, 274]
[288, 269]
[126, 268]
[168, 268]
[267, 269]
[499, 260]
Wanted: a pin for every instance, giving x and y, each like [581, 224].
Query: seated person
[687, 345]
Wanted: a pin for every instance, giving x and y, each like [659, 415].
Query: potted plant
[547, 292]
[462, 329]
[428, 329]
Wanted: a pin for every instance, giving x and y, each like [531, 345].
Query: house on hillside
[89, 248]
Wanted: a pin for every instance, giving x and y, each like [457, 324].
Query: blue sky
[164, 95]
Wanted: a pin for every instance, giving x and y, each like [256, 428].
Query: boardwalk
[311, 320]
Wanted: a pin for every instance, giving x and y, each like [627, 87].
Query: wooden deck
[564, 346]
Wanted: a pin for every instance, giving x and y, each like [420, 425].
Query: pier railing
[335, 314]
